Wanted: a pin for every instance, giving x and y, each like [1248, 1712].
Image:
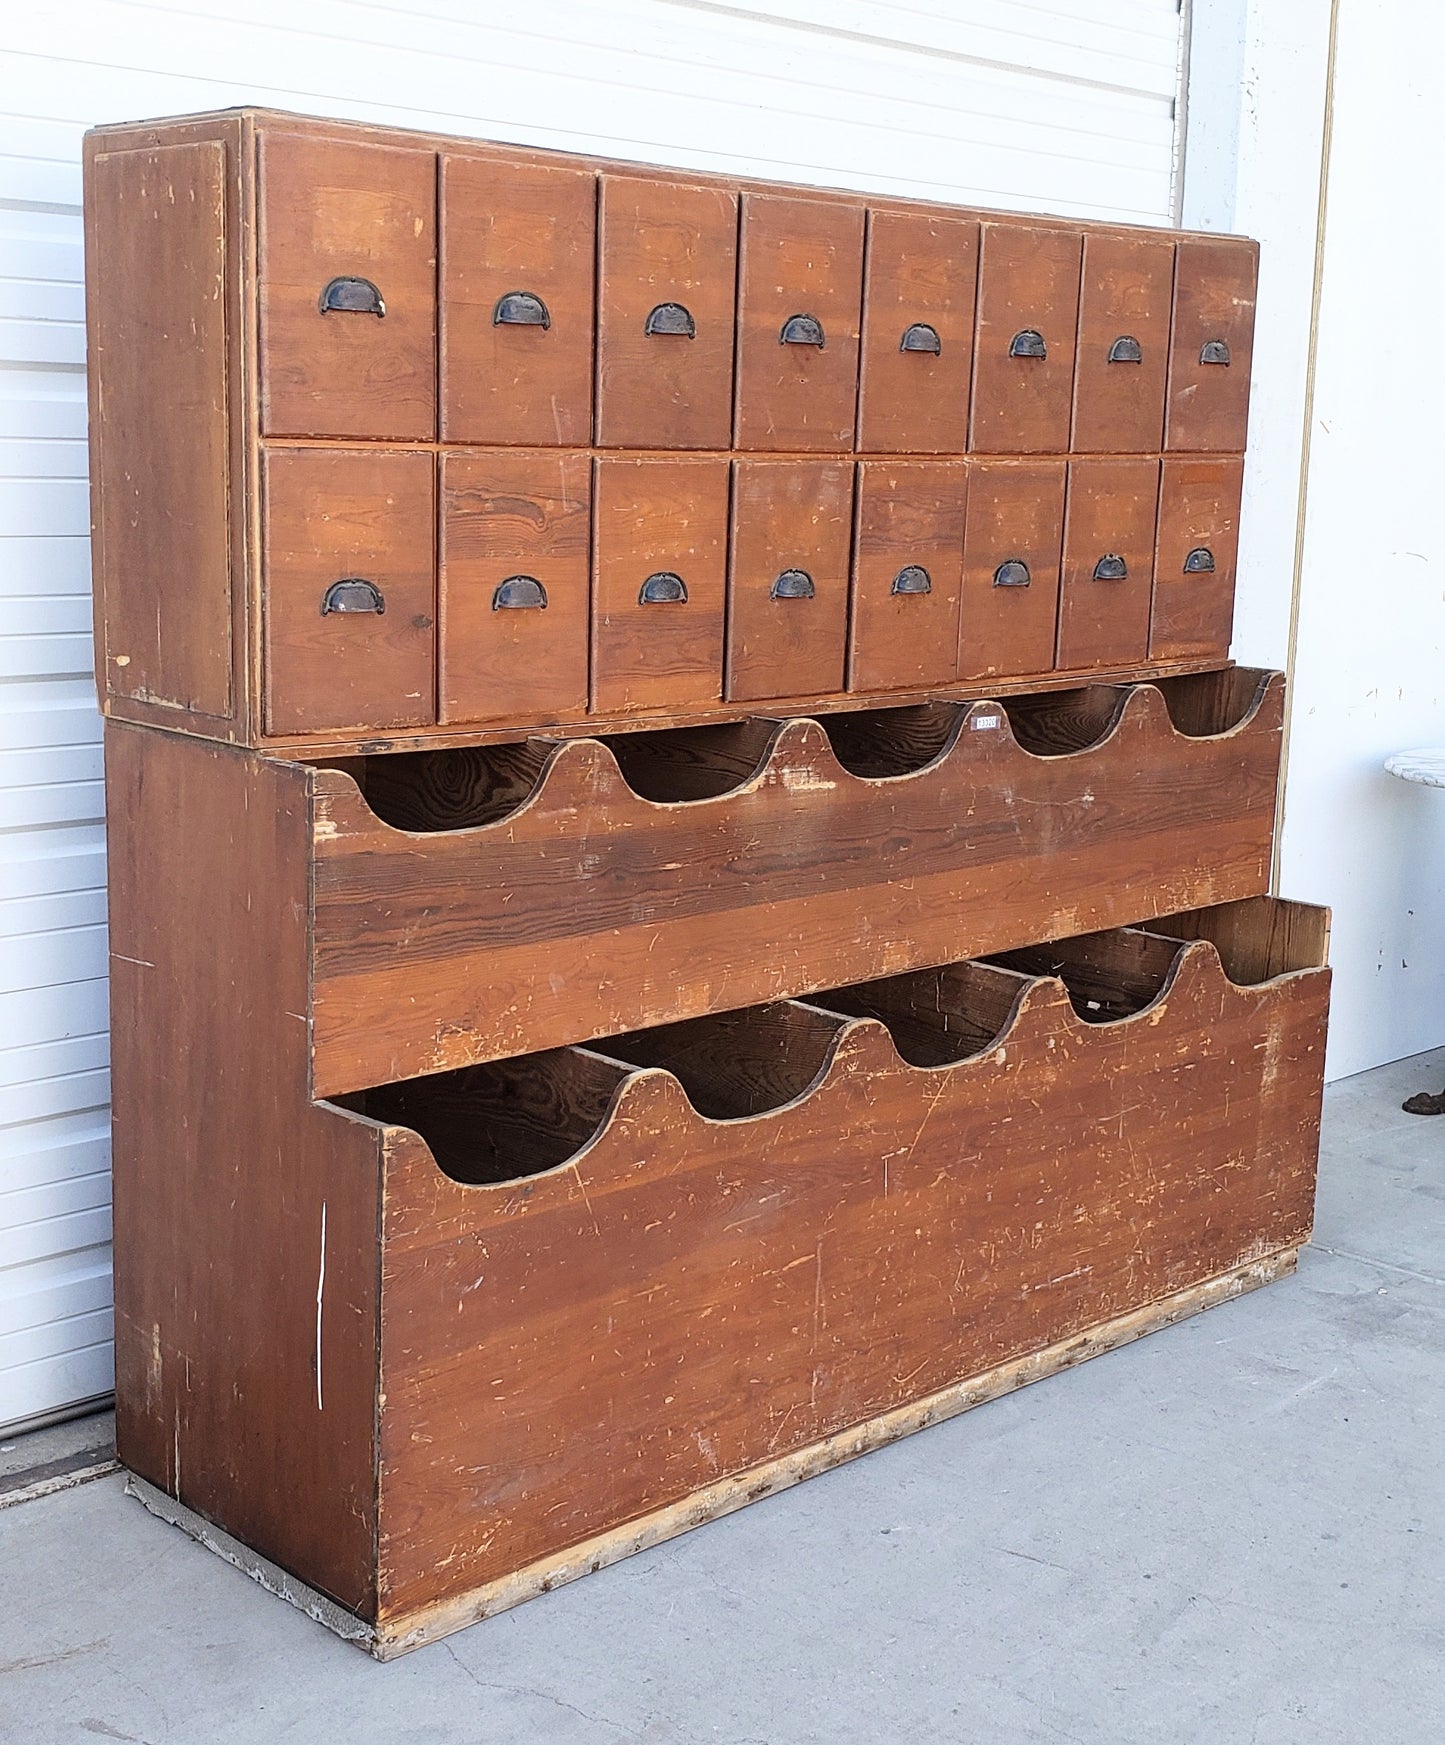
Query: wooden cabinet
[634, 697]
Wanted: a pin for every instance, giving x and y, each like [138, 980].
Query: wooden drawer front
[918, 313]
[349, 589]
[1011, 569]
[907, 574]
[1212, 346]
[354, 227]
[800, 298]
[1028, 314]
[665, 314]
[1123, 361]
[792, 530]
[518, 243]
[514, 587]
[1195, 559]
[660, 582]
[1108, 563]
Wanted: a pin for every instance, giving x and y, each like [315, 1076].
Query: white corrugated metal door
[1067, 107]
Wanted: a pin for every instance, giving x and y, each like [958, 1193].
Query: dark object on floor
[1424, 1103]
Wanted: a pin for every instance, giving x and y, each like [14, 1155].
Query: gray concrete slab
[1231, 1531]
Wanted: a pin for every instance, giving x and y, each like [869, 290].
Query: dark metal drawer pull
[1110, 568]
[1126, 350]
[802, 330]
[352, 297]
[671, 318]
[519, 591]
[792, 585]
[1012, 574]
[1200, 562]
[520, 309]
[1028, 343]
[912, 579]
[663, 589]
[921, 337]
[1215, 351]
[352, 594]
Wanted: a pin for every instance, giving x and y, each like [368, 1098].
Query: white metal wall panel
[1066, 107]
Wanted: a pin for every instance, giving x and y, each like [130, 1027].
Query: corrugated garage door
[1068, 107]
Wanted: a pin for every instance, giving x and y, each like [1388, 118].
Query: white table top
[1426, 767]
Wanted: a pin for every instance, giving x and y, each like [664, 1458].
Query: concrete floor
[1233, 1531]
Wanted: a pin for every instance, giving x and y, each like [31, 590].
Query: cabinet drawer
[792, 528]
[347, 289]
[1212, 346]
[918, 312]
[907, 574]
[1195, 558]
[518, 243]
[800, 297]
[665, 314]
[1011, 568]
[514, 586]
[660, 579]
[1108, 563]
[349, 589]
[1123, 361]
[1028, 315]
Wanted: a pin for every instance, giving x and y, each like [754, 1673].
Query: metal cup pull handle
[352, 594]
[921, 337]
[912, 579]
[1013, 573]
[1200, 562]
[1126, 350]
[519, 592]
[520, 309]
[1111, 568]
[802, 330]
[792, 585]
[351, 297]
[671, 318]
[1214, 351]
[1028, 342]
[663, 589]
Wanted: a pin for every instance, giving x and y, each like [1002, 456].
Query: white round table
[1427, 767]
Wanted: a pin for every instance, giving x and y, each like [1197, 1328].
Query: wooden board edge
[400, 1635]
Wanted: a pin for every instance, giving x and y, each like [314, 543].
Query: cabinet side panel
[245, 1215]
[156, 237]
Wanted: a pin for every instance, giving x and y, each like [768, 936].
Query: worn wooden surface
[1028, 280]
[1015, 515]
[1198, 508]
[588, 909]
[1112, 509]
[909, 516]
[721, 1293]
[1125, 292]
[1214, 299]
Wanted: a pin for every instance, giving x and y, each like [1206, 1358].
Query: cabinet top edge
[119, 133]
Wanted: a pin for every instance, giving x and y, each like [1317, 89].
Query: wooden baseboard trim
[397, 1636]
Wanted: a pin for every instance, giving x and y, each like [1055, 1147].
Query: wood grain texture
[1028, 281]
[1193, 613]
[538, 934]
[518, 516]
[246, 1266]
[1214, 294]
[160, 423]
[508, 228]
[799, 258]
[334, 514]
[788, 515]
[336, 209]
[1112, 511]
[665, 241]
[1015, 516]
[919, 271]
[909, 517]
[658, 518]
[763, 1283]
[1125, 293]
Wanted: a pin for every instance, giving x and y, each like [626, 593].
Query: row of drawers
[520, 588]
[405, 295]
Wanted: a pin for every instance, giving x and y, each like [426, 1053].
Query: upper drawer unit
[1212, 345]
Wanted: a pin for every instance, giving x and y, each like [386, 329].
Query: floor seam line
[1427, 1278]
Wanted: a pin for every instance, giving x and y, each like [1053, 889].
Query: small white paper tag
[979, 722]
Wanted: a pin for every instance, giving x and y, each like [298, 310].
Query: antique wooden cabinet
[689, 865]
